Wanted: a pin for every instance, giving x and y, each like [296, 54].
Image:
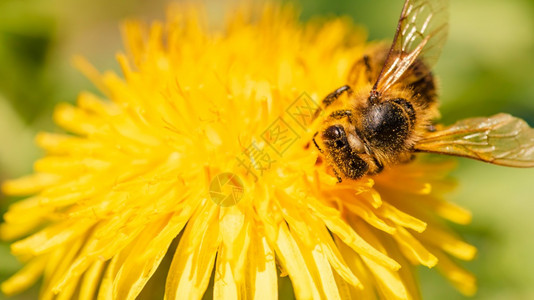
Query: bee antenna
[316, 145]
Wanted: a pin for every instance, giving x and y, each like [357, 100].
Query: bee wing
[500, 139]
[421, 33]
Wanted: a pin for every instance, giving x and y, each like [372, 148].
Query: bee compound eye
[333, 133]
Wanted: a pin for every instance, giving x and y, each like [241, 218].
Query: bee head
[334, 137]
[342, 147]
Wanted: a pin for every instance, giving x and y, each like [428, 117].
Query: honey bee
[390, 104]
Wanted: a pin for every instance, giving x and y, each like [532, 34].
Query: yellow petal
[69, 165]
[95, 105]
[233, 228]
[50, 237]
[448, 210]
[261, 280]
[235, 232]
[76, 120]
[58, 144]
[24, 216]
[357, 266]
[192, 263]
[59, 260]
[226, 287]
[464, 281]
[389, 282]
[105, 291]
[408, 272]
[134, 35]
[339, 227]
[367, 214]
[90, 72]
[15, 230]
[334, 257]
[326, 276]
[30, 184]
[401, 218]
[91, 281]
[24, 278]
[142, 262]
[290, 256]
[449, 242]
[413, 249]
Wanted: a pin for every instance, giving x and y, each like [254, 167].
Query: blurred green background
[486, 67]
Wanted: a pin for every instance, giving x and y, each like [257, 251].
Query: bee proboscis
[391, 104]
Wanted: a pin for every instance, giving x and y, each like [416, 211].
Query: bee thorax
[387, 125]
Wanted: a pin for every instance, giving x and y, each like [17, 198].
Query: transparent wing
[500, 139]
[421, 34]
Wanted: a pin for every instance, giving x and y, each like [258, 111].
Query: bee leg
[340, 114]
[318, 148]
[379, 167]
[332, 97]
[337, 176]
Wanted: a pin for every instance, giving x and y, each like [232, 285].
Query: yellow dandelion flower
[204, 141]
